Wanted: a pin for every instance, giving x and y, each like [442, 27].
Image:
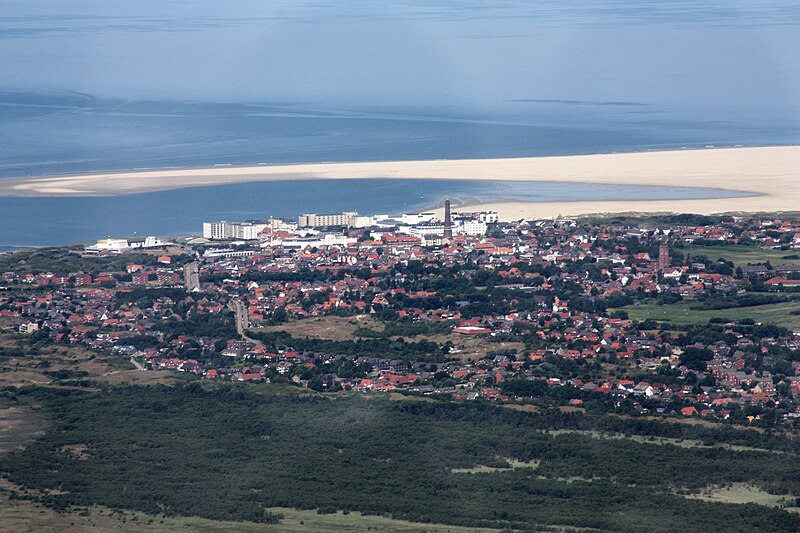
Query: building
[363, 221]
[216, 230]
[168, 278]
[426, 229]
[473, 228]
[417, 218]
[280, 224]
[330, 239]
[432, 240]
[663, 255]
[246, 231]
[490, 217]
[448, 220]
[152, 242]
[82, 279]
[30, 327]
[213, 253]
[109, 245]
[313, 220]
[140, 277]
[471, 330]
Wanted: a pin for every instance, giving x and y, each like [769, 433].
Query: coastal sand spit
[771, 174]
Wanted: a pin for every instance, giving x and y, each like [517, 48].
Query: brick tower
[448, 221]
[663, 255]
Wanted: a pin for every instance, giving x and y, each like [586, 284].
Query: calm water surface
[51, 221]
[92, 85]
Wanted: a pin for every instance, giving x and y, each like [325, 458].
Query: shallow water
[41, 221]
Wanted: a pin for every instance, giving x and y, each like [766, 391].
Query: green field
[741, 255]
[681, 313]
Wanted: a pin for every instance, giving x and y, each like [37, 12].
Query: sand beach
[770, 174]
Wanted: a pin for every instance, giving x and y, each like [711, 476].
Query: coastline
[771, 174]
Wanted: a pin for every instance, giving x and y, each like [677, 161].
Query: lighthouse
[448, 221]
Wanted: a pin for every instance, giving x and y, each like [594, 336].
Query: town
[678, 315]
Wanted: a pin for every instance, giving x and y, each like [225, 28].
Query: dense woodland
[65, 260]
[233, 451]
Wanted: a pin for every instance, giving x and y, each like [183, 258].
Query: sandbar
[770, 174]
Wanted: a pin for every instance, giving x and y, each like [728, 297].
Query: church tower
[663, 255]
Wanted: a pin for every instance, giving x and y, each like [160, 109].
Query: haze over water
[93, 85]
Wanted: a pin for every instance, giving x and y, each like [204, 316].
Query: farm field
[742, 255]
[681, 313]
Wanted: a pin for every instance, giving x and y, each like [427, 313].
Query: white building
[150, 242]
[432, 240]
[279, 224]
[417, 218]
[109, 245]
[330, 239]
[464, 226]
[363, 221]
[336, 239]
[354, 220]
[473, 228]
[246, 231]
[213, 253]
[30, 327]
[490, 217]
[301, 242]
[429, 229]
[216, 230]
[313, 220]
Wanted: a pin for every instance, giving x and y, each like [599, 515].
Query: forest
[61, 260]
[233, 451]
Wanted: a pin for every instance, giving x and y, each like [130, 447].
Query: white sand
[771, 174]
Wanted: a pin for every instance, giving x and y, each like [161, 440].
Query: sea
[94, 86]
[64, 132]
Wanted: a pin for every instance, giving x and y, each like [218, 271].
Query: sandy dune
[772, 174]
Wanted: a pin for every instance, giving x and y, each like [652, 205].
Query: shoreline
[770, 174]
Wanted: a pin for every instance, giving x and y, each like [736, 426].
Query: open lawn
[680, 313]
[469, 348]
[683, 443]
[741, 255]
[344, 328]
[744, 493]
[301, 521]
[23, 364]
[18, 516]
[509, 464]
[332, 328]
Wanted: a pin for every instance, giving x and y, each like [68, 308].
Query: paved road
[138, 365]
[191, 276]
[242, 320]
